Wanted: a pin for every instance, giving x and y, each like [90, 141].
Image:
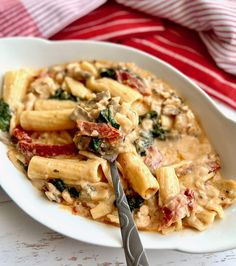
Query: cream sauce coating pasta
[68, 119]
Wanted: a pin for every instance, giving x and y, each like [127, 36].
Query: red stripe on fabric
[189, 70]
[222, 47]
[182, 8]
[212, 10]
[185, 36]
[10, 11]
[118, 23]
[21, 26]
[20, 15]
[216, 48]
[128, 33]
[118, 19]
[215, 94]
[201, 64]
[175, 44]
[114, 28]
[177, 65]
[117, 34]
[47, 14]
[206, 23]
[131, 23]
[160, 9]
[195, 43]
[108, 9]
[100, 20]
[94, 22]
[224, 44]
[52, 23]
[207, 16]
[102, 15]
[19, 11]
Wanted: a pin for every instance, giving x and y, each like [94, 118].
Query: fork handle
[134, 252]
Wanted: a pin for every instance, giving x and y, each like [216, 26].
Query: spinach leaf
[112, 120]
[61, 94]
[59, 184]
[108, 73]
[134, 201]
[105, 116]
[95, 144]
[5, 116]
[143, 143]
[158, 131]
[149, 115]
[73, 192]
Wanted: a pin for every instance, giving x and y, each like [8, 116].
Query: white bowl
[33, 52]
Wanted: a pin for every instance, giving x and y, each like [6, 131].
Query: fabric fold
[214, 20]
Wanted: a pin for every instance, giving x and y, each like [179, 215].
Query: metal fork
[133, 248]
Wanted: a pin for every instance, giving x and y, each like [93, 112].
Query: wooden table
[24, 241]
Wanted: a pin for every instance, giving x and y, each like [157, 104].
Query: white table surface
[23, 241]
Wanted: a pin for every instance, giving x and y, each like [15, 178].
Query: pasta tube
[116, 89]
[104, 164]
[138, 174]
[169, 183]
[46, 120]
[103, 208]
[87, 66]
[66, 169]
[77, 88]
[201, 220]
[15, 86]
[45, 105]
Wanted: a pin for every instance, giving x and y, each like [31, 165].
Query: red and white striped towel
[214, 20]
[41, 18]
[190, 52]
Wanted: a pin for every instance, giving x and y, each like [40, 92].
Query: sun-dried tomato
[100, 130]
[168, 214]
[45, 150]
[29, 149]
[20, 134]
[131, 80]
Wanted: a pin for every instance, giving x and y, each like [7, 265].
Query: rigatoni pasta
[46, 120]
[66, 122]
[15, 86]
[65, 169]
[169, 183]
[77, 88]
[115, 88]
[45, 105]
[138, 175]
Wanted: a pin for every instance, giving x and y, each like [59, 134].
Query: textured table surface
[24, 241]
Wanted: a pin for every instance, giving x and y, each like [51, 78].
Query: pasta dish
[63, 123]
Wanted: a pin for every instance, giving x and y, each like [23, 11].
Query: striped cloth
[184, 48]
[215, 20]
[41, 18]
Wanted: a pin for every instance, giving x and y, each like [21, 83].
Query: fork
[134, 252]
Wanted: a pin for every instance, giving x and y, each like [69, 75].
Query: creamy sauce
[159, 127]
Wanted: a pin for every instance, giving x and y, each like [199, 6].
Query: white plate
[21, 52]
